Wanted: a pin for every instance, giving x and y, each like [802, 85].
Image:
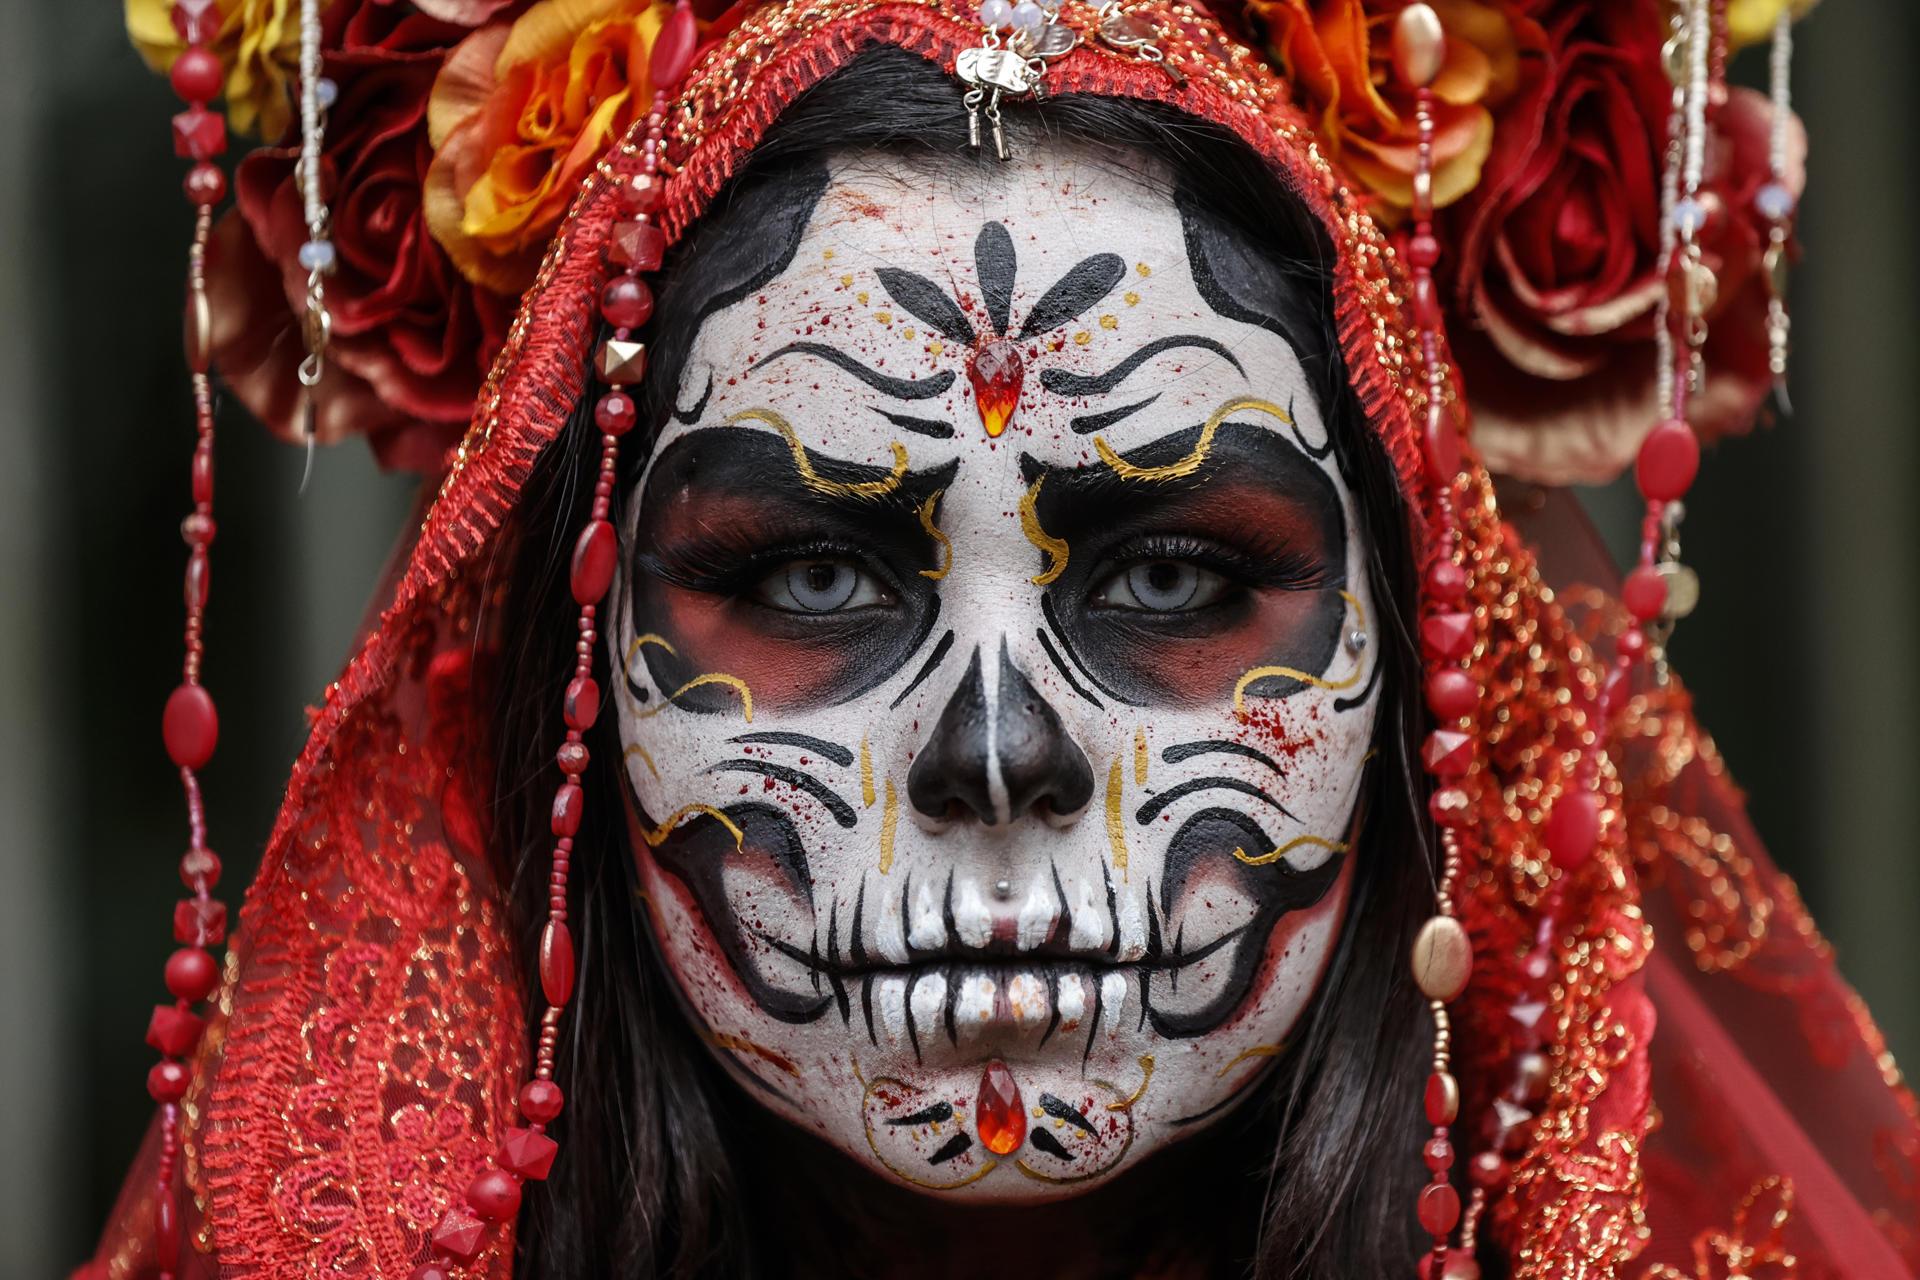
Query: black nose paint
[1043, 768]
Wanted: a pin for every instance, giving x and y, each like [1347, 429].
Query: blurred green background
[1802, 655]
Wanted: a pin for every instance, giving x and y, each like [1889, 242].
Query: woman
[963, 685]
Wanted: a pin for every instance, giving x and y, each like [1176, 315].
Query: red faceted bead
[199, 922]
[1450, 807]
[1669, 460]
[190, 726]
[167, 1081]
[1487, 1170]
[173, 1030]
[1447, 636]
[615, 413]
[556, 962]
[1447, 754]
[459, 1233]
[1439, 1208]
[572, 758]
[1442, 441]
[541, 1100]
[1446, 582]
[999, 1115]
[996, 372]
[593, 559]
[568, 802]
[1442, 1099]
[582, 705]
[494, 1195]
[195, 26]
[673, 48]
[626, 302]
[1573, 829]
[636, 245]
[1452, 693]
[528, 1153]
[205, 184]
[429, 1271]
[641, 193]
[192, 973]
[199, 134]
[1645, 593]
[1439, 1154]
[196, 75]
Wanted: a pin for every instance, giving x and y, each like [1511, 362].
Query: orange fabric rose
[1338, 53]
[518, 117]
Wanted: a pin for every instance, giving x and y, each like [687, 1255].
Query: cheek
[1291, 629]
[709, 634]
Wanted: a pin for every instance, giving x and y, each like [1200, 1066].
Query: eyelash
[1285, 568]
[717, 567]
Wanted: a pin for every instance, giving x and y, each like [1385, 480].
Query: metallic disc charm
[1052, 40]
[1124, 31]
[1000, 69]
[1683, 590]
[1442, 958]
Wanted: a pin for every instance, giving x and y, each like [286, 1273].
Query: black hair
[667, 1169]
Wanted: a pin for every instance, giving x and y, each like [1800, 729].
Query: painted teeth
[1072, 999]
[1027, 997]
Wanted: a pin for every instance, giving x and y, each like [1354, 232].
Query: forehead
[1079, 255]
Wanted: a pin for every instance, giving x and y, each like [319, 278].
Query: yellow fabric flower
[518, 116]
[1751, 21]
[259, 43]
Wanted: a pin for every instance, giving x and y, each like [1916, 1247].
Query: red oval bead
[190, 726]
[196, 75]
[556, 962]
[494, 1195]
[673, 48]
[1446, 582]
[203, 471]
[1439, 1208]
[1572, 829]
[1452, 693]
[167, 1081]
[192, 973]
[582, 705]
[1442, 445]
[1443, 1099]
[199, 572]
[1423, 251]
[1439, 1154]
[205, 184]
[1426, 303]
[1644, 593]
[567, 804]
[166, 1235]
[593, 558]
[541, 1101]
[572, 757]
[1669, 460]
[626, 302]
[615, 414]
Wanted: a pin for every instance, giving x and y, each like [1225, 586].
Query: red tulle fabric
[1719, 1103]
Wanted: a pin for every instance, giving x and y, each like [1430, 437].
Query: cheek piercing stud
[1356, 641]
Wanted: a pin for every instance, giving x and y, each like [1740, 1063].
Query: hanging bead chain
[635, 244]
[317, 253]
[190, 726]
[1776, 203]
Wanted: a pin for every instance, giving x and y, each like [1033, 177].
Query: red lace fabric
[372, 1032]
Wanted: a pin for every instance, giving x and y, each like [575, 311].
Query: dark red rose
[405, 324]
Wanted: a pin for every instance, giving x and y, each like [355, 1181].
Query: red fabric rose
[1558, 268]
[411, 338]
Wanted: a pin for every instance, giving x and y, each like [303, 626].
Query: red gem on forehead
[998, 1113]
[996, 372]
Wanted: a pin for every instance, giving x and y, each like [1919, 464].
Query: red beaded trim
[635, 245]
[190, 725]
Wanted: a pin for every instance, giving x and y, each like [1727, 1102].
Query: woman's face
[997, 692]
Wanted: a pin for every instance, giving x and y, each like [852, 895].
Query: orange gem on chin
[998, 1113]
[996, 372]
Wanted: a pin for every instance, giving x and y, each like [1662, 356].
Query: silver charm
[992, 71]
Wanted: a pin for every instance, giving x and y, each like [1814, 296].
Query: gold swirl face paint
[1010, 746]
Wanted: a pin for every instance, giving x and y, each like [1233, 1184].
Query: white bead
[994, 14]
[1774, 202]
[317, 255]
[1689, 216]
[1027, 15]
[325, 92]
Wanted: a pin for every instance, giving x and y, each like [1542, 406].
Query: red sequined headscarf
[1655, 1069]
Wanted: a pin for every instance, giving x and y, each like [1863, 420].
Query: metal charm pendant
[991, 72]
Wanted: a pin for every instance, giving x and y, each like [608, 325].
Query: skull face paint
[996, 694]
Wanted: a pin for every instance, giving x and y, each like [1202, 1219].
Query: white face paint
[995, 789]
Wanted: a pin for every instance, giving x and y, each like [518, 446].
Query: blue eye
[821, 586]
[1162, 586]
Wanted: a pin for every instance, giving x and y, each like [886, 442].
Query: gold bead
[1419, 45]
[1442, 958]
[621, 363]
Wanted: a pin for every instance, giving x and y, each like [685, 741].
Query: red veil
[1703, 1096]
